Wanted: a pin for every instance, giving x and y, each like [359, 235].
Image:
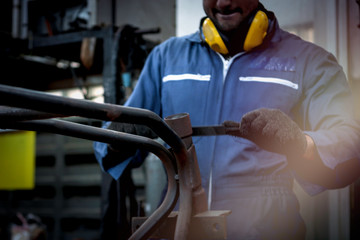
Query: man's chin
[228, 25]
[227, 28]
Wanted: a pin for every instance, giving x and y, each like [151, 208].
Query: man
[289, 99]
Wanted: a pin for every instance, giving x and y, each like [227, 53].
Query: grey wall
[148, 14]
[144, 14]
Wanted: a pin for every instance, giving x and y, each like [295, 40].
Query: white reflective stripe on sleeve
[186, 76]
[270, 80]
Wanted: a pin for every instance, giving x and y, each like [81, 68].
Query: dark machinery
[36, 111]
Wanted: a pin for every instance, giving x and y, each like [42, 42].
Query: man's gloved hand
[272, 130]
[126, 150]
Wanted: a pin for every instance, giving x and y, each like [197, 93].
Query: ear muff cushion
[213, 38]
[257, 31]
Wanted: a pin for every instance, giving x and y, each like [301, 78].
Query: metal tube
[19, 114]
[114, 137]
[193, 197]
[39, 101]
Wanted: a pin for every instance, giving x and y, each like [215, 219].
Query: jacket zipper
[226, 66]
[227, 63]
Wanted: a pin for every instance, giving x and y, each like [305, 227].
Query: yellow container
[17, 160]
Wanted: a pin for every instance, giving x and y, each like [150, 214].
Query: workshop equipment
[31, 110]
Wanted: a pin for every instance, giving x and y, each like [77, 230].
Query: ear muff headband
[255, 36]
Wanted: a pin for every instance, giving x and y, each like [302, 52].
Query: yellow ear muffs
[255, 36]
[213, 38]
[257, 31]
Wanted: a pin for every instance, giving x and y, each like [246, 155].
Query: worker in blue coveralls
[289, 99]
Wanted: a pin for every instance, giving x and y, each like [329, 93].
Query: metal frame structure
[25, 109]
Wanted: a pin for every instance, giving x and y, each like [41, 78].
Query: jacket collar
[194, 37]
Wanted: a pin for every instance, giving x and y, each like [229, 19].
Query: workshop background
[79, 49]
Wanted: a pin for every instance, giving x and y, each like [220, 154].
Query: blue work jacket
[183, 75]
